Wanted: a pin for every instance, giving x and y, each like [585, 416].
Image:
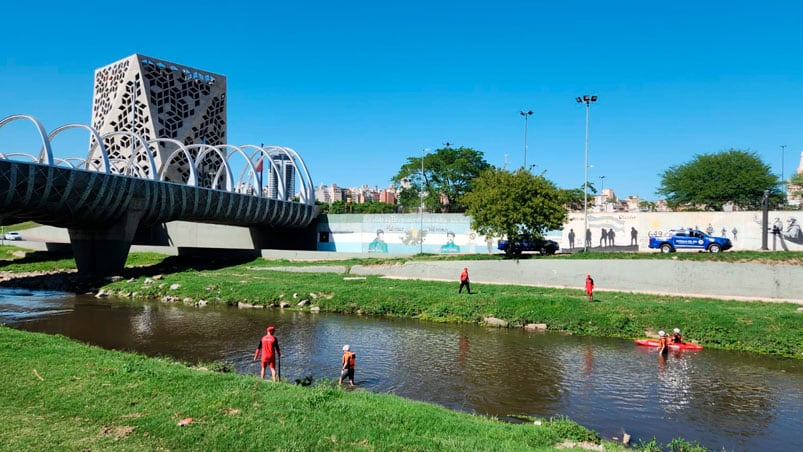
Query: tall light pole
[421, 195]
[783, 177]
[526, 115]
[602, 191]
[588, 100]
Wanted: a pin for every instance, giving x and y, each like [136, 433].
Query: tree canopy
[448, 171]
[710, 181]
[517, 204]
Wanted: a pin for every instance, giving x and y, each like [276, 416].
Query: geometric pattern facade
[159, 99]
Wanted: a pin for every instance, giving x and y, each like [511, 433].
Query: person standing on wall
[464, 281]
[269, 346]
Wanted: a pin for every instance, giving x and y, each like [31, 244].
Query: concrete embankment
[737, 281]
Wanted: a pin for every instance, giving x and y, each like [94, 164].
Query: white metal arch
[300, 167]
[208, 149]
[47, 152]
[181, 149]
[248, 172]
[98, 142]
[308, 185]
[274, 168]
[131, 161]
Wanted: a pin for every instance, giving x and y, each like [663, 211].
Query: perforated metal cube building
[159, 99]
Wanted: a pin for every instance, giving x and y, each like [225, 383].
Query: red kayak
[681, 346]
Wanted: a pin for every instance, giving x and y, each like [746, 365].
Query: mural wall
[401, 234]
[626, 231]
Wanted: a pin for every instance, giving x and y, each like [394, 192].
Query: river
[730, 400]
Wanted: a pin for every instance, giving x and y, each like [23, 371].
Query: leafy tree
[573, 197]
[795, 187]
[448, 171]
[712, 180]
[364, 207]
[519, 205]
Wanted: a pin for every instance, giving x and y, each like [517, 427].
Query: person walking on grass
[590, 288]
[269, 346]
[347, 370]
[464, 281]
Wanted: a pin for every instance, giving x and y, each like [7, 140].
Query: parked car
[543, 246]
[12, 236]
[691, 239]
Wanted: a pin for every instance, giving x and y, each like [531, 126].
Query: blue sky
[357, 87]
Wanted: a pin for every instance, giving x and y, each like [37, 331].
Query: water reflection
[736, 401]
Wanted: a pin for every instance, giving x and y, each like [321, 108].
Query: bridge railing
[281, 163]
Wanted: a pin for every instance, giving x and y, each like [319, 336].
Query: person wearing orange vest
[464, 281]
[663, 343]
[269, 346]
[348, 361]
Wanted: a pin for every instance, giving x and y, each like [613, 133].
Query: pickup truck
[543, 246]
[691, 239]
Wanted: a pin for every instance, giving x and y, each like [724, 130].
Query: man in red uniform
[269, 346]
[464, 281]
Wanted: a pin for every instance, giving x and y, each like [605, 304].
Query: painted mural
[611, 231]
[402, 234]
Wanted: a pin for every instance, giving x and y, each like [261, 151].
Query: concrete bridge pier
[103, 252]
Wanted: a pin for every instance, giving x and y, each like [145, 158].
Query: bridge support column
[103, 252]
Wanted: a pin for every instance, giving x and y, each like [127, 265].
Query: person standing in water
[269, 346]
[348, 361]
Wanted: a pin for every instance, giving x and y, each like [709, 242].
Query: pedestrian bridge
[104, 203]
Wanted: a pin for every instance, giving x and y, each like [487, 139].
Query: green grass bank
[62, 395]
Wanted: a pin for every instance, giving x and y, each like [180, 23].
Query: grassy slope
[59, 394]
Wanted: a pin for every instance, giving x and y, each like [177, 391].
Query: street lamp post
[588, 100]
[421, 195]
[783, 177]
[602, 192]
[526, 115]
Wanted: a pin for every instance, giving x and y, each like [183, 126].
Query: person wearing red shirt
[269, 346]
[464, 281]
[590, 288]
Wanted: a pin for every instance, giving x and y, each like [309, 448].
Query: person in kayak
[663, 343]
[677, 338]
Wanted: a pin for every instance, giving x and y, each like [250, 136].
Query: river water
[730, 400]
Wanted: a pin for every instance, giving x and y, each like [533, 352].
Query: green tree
[795, 187]
[573, 197]
[519, 205]
[448, 171]
[710, 181]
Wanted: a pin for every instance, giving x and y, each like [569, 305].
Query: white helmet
[661, 333]
[346, 348]
[676, 330]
